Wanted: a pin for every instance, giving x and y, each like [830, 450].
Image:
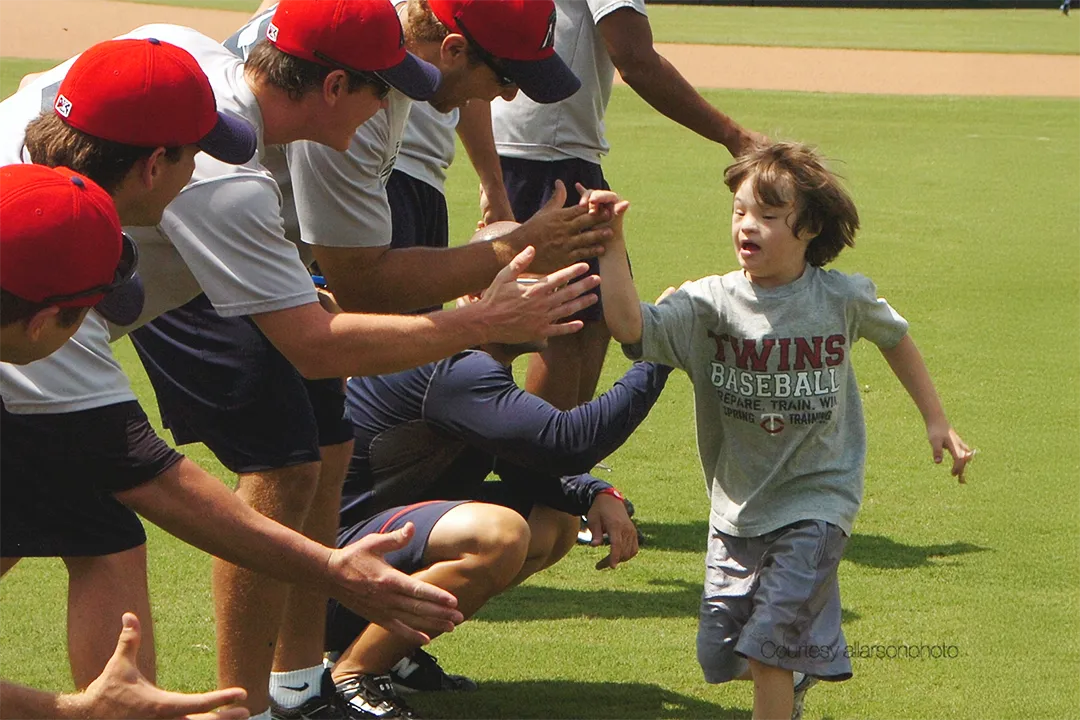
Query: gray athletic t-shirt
[573, 128]
[780, 429]
[223, 235]
[428, 146]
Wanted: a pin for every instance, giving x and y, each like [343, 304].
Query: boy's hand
[942, 437]
[667, 291]
[604, 205]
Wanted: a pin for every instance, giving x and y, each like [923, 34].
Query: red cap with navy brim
[520, 34]
[364, 36]
[62, 243]
[150, 93]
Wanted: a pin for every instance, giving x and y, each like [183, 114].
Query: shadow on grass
[677, 537]
[677, 599]
[879, 551]
[566, 699]
[870, 550]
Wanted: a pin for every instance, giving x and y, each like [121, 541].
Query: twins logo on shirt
[775, 383]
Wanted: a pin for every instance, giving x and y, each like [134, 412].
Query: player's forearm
[907, 364]
[622, 307]
[18, 701]
[660, 84]
[195, 507]
[407, 279]
[474, 129]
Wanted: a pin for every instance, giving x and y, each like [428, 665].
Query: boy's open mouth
[748, 246]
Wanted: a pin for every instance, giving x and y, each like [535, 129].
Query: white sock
[292, 689]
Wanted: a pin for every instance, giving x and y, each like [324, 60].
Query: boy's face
[768, 251]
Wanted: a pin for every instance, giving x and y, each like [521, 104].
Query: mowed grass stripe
[995, 31]
[970, 231]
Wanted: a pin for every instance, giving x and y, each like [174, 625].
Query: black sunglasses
[382, 88]
[125, 269]
[490, 60]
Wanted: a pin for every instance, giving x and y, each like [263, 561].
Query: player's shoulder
[854, 285]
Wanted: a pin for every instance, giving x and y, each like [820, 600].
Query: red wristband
[612, 492]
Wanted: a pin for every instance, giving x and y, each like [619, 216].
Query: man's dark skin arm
[629, 41]
[381, 279]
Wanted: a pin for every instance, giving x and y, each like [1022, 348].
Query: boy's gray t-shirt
[780, 427]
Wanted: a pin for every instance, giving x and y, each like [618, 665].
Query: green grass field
[996, 31]
[248, 6]
[971, 229]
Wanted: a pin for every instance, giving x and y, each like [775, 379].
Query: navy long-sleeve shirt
[437, 431]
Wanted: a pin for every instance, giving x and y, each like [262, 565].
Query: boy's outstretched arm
[907, 364]
[622, 307]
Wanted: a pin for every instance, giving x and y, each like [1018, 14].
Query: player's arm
[622, 307]
[121, 691]
[584, 495]
[474, 129]
[381, 279]
[629, 41]
[907, 364]
[191, 505]
[322, 345]
[489, 411]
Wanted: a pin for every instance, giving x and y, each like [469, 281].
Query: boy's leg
[100, 590]
[60, 472]
[774, 695]
[795, 622]
[249, 607]
[300, 642]
[220, 381]
[473, 550]
[552, 533]
[566, 373]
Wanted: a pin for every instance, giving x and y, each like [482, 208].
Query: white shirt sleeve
[230, 234]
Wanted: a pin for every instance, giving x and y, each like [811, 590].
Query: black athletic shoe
[372, 696]
[324, 706]
[421, 673]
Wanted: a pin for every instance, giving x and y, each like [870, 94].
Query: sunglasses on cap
[382, 88]
[488, 59]
[125, 269]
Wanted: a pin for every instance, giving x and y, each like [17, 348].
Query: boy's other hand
[943, 437]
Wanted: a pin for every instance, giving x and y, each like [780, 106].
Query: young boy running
[779, 421]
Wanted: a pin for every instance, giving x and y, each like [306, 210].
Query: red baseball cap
[62, 244]
[150, 93]
[362, 36]
[520, 37]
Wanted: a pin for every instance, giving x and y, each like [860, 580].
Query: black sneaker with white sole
[421, 672]
[364, 697]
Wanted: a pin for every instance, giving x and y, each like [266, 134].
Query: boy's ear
[36, 325]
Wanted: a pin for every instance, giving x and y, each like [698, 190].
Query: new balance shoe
[421, 672]
[807, 682]
[324, 706]
[364, 697]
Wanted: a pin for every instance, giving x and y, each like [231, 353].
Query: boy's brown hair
[792, 172]
[291, 74]
[422, 26]
[52, 142]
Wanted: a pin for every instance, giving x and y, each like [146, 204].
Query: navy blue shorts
[343, 625]
[529, 185]
[59, 475]
[221, 382]
[418, 215]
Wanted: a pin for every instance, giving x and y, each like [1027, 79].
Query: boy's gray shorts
[773, 598]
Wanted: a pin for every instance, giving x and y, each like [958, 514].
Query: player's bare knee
[284, 494]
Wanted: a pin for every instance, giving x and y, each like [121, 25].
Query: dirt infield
[62, 28]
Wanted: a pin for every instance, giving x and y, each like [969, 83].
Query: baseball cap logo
[271, 32]
[549, 37]
[63, 106]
